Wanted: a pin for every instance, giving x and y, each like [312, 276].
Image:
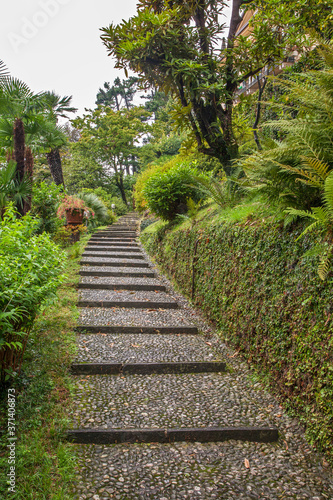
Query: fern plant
[292, 170]
[222, 190]
[323, 219]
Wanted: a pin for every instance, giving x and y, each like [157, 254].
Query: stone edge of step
[192, 330]
[145, 435]
[128, 304]
[148, 368]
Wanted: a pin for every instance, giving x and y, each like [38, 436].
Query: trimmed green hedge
[268, 300]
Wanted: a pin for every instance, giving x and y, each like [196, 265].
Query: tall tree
[120, 94]
[174, 46]
[111, 137]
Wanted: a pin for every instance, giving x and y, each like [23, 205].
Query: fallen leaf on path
[247, 463]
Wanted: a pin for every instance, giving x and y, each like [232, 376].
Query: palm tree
[11, 190]
[19, 107]
[57, 107]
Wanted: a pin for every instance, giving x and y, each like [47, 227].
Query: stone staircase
[113, 259]
[158, 414]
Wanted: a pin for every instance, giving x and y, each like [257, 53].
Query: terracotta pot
[74, 217]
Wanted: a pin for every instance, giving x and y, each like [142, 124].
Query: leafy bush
[120, 206]
[139, 197]
[65, 235]
[46, 199]
[166, 192]
[30, 270]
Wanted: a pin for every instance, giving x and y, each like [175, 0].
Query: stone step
[126, 299]
[197, 435]
[118, 234]
[116, 283]
[167, 401]
[117, 244]
[104, 261]
[183, 330]
[120, 255]
[101, 248]
[146, 368]
[104, 271]
[134, 320]
[127, 304]
[124, 227]
[113, 237]
[113, 240]
[145, 348]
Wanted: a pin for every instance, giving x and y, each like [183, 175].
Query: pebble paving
[163, 401]
[122, 296]
[114, 280]
[147, 348]
[288, 469]
[158, 318]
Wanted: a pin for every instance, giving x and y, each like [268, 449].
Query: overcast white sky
[55, 44]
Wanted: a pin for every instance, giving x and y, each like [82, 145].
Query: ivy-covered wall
[253, 282]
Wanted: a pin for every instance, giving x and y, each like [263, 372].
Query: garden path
[163, 410]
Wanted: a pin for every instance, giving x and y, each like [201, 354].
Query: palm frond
[4, 73]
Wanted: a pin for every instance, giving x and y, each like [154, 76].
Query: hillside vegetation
[254, 282]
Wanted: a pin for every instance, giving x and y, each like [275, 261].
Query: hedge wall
[268, 300]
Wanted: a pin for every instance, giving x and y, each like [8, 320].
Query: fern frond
[300, 213]
[328, 195]
[316, 165]
[289, 219]
[324, 265]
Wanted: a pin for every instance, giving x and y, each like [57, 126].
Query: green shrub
[30, 270]
[120, 206]
[144, 176]
[46, 199]
[167, 192]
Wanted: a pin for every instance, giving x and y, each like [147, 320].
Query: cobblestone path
[163, 409]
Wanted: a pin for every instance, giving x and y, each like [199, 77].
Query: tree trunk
[29, 168]
[120, 186]
[54, 161]
[19, 156]
[258, 112]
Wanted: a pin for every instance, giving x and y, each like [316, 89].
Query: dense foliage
[167, 191]
[267, 300]
[30, 270]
